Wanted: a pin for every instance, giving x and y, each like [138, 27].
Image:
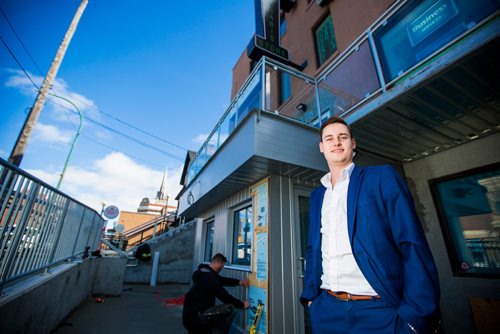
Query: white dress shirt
[340, 270]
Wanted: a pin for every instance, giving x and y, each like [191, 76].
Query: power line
[92, 120]
[83, 102]
[18, 63]
[20, 41]
[135, 140]
[140, 142]
[114, 149]
[117, 150]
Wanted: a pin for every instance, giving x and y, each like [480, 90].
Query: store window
[242, 236]
[420, 28]
[468, 205]
[209, 241]
[325, 40]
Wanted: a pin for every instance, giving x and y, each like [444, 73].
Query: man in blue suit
[369, 268]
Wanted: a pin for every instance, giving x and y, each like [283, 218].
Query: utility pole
[22, 141]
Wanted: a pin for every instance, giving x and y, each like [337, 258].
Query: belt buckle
[344, 299]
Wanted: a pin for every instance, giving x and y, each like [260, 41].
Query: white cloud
[115, 179]
[4, 154]
[51, 134]
[60, 105]
[200, 139]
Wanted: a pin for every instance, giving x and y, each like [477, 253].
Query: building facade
[418, 83]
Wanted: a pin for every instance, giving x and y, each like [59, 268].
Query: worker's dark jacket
[208, 285]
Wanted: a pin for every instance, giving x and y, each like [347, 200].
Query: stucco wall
[455, 291]
[37, 305]
[176, 258]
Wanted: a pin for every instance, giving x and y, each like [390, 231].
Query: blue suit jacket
[388, 244]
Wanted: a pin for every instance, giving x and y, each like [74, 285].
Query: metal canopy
[252, 171]
[452, 108]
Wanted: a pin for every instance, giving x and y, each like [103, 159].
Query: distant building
[149, 209]
[133, 219]
[158, 205]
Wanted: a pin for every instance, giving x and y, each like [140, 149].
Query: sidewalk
[140, 309]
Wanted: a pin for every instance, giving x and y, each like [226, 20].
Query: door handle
[301, 266]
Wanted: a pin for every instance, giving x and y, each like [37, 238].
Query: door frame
[298, 191]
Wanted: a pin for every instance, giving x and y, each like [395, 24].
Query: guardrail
[40, 226]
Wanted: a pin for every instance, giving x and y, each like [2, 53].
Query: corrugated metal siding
[222, 214]
[289, 142]
[282, 273]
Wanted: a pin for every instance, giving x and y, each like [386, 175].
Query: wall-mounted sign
[434, 17]
[111, 212]
[267, 32]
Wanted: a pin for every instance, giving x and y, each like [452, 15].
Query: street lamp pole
[74, 140]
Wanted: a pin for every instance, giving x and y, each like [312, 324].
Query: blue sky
[163, 67]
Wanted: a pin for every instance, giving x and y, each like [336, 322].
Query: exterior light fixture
[301, 107]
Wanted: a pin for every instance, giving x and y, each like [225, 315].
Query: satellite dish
[111, 212]
[119, 228]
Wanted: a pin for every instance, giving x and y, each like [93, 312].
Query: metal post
[30, 202]
[263, 83]
[57, 238]
[154, 272]
[318, 105]
[74, 140]
[376, 59]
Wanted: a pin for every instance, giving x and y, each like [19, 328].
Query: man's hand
[244, 283]
[309, 303]
[246, 303]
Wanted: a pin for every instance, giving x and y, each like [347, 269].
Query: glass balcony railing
[404, 38]
[295, 98]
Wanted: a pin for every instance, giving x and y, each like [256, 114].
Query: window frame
[235, 229]
[458, 264]
[316, 42]
[206, 223]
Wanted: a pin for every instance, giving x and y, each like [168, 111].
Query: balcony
[430, 91]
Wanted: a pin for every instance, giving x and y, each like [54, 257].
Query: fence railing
[149, 230]
[40, 226]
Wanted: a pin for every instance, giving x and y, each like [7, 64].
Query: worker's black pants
[215, 320]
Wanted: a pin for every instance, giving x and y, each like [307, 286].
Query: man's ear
[353, 143]
[321, 146]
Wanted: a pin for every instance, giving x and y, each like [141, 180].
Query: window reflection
[469, 207]
[243, 236]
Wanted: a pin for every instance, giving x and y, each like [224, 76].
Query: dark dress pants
[332, 316]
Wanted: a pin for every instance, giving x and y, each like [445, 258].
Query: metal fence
[40, 226]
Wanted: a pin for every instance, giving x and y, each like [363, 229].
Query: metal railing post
[376, 59]
[263, 89]
[22, 224]
[318, 105]
[58, 233]
[78, 233]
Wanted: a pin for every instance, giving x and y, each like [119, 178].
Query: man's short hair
[219, 258]
[332, 120]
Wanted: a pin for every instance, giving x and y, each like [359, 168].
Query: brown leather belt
[347, 297]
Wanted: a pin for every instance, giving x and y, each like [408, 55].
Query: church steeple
[161, 193]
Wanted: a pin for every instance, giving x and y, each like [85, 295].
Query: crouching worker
[200, 314]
